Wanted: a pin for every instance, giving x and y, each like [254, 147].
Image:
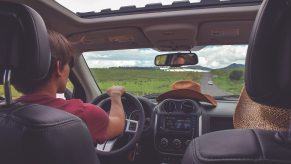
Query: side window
[68, 94]
[15, 93]
[70, 86]
[1, 92]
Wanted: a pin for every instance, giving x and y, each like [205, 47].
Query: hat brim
[187, 94]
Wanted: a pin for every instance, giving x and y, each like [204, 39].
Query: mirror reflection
[176, 59]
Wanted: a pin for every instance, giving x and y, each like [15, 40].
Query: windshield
[220, 70]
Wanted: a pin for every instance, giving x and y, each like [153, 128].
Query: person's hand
[115, 91]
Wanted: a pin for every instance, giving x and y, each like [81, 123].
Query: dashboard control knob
[164, 142]
[177, 143]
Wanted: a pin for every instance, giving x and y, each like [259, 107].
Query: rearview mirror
[176, 59]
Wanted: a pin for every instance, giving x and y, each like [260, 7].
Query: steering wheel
[132, 126]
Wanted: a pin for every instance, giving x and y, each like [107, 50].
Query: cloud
[222, 56]
[123, 58]
[111, 63]
[210, 56]
[117, 63]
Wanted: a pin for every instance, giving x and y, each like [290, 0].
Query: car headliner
[165, 31]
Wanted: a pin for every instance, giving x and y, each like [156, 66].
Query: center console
[176, 124]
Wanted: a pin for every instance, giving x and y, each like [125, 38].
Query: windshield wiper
[227, 97]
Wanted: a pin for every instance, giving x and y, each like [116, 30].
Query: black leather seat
[268, 81]
[29, 133]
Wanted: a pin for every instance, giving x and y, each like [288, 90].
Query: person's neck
[46, 90]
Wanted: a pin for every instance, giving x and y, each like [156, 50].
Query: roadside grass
[221, 79]
[140, 81]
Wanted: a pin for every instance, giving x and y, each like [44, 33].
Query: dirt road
[212, 90]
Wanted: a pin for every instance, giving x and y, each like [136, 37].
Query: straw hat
[187, 89]
[249, 114]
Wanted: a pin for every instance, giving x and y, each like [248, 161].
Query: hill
[234, 66]
[199, 67]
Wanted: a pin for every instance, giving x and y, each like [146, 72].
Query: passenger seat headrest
[24, 45]
[251, 115]
[268, 63]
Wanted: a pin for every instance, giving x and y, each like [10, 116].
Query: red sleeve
[94, 117]
[97, 121]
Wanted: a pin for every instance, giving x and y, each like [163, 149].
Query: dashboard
[176, 124]
[171, 124]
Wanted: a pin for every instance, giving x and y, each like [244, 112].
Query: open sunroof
[103, 8]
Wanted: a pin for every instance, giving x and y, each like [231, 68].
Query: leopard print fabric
[249, 114]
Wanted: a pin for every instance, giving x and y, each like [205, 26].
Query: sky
[98, 5]
[211, 57]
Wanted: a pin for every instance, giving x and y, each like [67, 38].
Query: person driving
[183, 59]
[179, 60]
[102, 126]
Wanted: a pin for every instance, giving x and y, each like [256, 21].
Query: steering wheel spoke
[107, 146]
[131, 126]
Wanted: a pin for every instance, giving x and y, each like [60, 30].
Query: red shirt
[95, 118]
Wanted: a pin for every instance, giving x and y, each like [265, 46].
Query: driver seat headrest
[268, 63]
[24, 44]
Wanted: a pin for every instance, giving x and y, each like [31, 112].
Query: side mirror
[176, 59]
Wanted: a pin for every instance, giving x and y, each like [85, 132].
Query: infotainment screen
[180, 124]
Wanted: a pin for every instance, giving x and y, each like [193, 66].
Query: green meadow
[140, 81]
[136, 81]
[144, 81]
[221, 79]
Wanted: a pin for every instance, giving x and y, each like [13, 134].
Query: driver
[101, 125]
[179, 60]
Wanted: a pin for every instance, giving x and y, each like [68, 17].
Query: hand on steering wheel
[132, 126]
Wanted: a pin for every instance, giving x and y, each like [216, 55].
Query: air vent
[169, 106]
[188, 107]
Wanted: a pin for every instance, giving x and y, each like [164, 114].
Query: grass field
[152, 81]
[221, 79]
[136, 81]
[140, 81]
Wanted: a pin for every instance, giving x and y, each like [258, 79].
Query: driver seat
[268, 82]
[30, 133]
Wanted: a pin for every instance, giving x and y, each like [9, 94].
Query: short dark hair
[61, 50]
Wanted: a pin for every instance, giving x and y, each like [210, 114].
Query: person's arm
[116, 116]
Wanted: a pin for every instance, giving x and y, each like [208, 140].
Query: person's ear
[58, 69]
